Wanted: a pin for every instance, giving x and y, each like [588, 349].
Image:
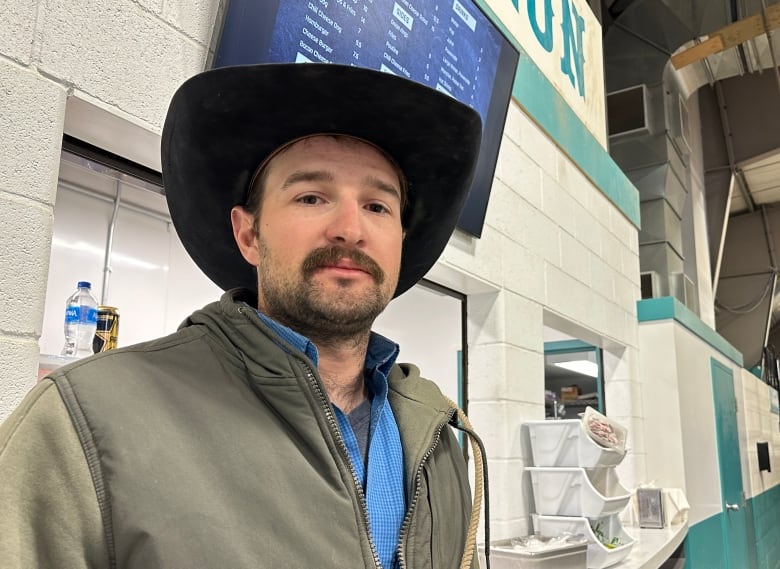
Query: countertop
[652, 546]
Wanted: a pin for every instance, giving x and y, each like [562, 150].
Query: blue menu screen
[449, 45]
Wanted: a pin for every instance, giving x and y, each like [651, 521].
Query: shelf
[575, 402]
[580, 402]
[49, 362]
[654, 546]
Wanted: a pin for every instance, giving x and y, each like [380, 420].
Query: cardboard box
[570, 393]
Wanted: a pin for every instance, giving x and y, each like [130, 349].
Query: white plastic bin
[565, 443]
[599, 554]
[590, 493]
[503, 555]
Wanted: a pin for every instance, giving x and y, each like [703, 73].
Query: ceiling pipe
[769, 41]
[774, 308]
[736, 172]
[739, 176]
[770, 242]
[741, 59]
[754, 61]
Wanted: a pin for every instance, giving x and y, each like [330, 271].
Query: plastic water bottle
[81, 310]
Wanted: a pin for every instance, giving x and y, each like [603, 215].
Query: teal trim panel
[669, 308]
[751, 535]
[537, 96]
[600, 381]
[766, 521]
[568, 346]
[704, 548]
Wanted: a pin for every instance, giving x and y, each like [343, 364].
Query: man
[273, 429]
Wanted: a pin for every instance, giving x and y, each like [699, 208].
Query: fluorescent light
[116, 258]
[584, 367]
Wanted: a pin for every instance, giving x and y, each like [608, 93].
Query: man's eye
[377, 208]
[309, 200]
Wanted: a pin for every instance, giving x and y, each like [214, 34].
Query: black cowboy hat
[223, 123]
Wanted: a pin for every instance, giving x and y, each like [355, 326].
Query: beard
[326, 317]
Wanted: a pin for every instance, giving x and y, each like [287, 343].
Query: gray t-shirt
[360, 420]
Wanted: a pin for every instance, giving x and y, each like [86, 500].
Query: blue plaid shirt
[383, 476]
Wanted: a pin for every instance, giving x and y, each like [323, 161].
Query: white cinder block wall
[31, 111]
[760, 424]
[676, 370]
[700, 445]
[554, 252]
[125, 56]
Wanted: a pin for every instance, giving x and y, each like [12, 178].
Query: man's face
[329, 235]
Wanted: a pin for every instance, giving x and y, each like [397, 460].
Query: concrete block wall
[700, 446]
[676, 372]
[128, 57]
[660, 377]
[554, 252]
[760, 424]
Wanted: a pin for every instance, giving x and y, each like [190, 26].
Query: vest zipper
[325, 406]
[334, 427]
[416, 496]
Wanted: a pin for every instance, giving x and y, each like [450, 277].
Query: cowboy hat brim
[223, 123]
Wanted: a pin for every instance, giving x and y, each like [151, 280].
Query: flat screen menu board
[449, 45]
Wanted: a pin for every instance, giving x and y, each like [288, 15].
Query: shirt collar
[380, 355]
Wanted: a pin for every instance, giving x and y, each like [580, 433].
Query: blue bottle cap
[84, 284]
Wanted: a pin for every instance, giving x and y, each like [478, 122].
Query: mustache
[332, 254]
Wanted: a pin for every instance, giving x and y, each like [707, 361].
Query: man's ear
[244, 234]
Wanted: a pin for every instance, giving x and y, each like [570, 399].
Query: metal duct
[736, 107]
[638, 45]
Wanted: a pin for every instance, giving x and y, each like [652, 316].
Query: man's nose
[346, 225]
